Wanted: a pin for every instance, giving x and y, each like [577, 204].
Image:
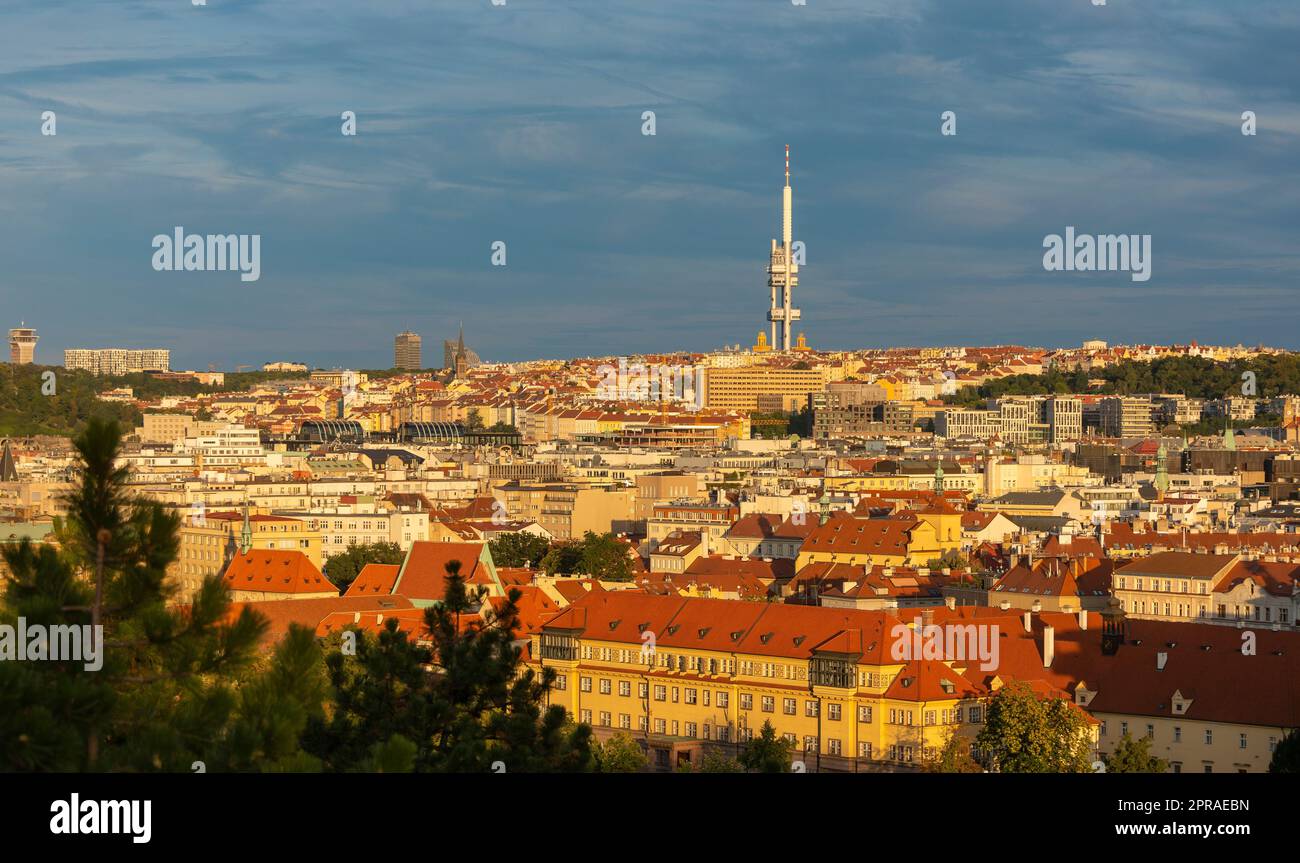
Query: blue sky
[522, 123]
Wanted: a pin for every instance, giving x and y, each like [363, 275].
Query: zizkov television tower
[783, 272]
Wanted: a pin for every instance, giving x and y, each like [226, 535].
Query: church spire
[246, 533]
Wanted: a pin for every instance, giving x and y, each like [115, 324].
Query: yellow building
[739, 388]
[210, 539]
[568, 511]
[900, 541]
[681, 673]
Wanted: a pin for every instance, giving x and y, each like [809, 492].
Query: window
[864, 713]
[692, 730]
[605, 686]
[604, 719]
[929, 717]
[586, 716]
[864, 750]
[789, 706]
[661, 693]
[585, 684]
[1123, 729]
[746, 701]
[769, 704]
[833, 746]
[1242, 742]
[561, 683]
[624, 688]
[625, 720]
[643, 690]
[810, 743]
[1209, 737]
[661, 726]
[722, 699]
[676, 694]
[690, 698]
[1178, 734]
[1151, 732]
[833, 712]
[810, 708]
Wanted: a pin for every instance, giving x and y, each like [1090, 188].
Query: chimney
[1049, 646]
[927, 617]
[1029, 621]
[1083, 619]
[1036, 607]
[1004, 604]
[356, 617]
[950, 601]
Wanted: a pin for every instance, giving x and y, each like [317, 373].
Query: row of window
[1155, 585]
[767, 703]
[1243, 740]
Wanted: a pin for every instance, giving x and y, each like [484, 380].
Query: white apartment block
[117, 361]
[340, 528]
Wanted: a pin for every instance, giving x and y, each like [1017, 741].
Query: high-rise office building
[22, 344]
[406, 351]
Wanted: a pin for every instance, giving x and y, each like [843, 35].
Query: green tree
[953, 757]
[712, 762]
[1028, 734]
[767, 753]
[563, 558]
[342, 569]
[518, 549]
[173, 686]
[1134, 756]
[459, 695]
[605, 557]
[602, 556]
[620, 754]
[1286, 756]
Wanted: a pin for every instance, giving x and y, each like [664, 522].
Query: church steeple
[246, 533]
[1162, 470]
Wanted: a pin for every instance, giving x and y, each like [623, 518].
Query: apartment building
[653, 488]
[1126, 417]
[165, 428]
[739, 388]
[569, 511]
[711, 672]
[117, 361]
[1212, 588]
[341, 528]
[1171, 585]
[227, 447]
[711, 519]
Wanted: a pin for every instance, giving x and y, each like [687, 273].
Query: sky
[522, 123]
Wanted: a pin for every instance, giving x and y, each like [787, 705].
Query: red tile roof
[275, 571]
